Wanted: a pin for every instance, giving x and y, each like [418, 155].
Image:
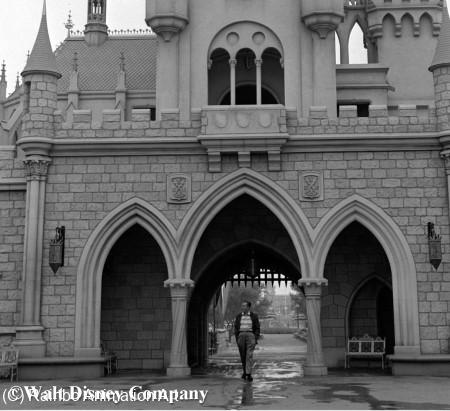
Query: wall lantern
[56, 255]
[434, 247]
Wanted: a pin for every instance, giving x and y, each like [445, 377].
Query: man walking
[246, 331]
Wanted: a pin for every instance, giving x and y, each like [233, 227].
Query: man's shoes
[244, 376]
[249, 377]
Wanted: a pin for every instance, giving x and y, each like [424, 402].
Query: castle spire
[42, 58]
[3, 83]
[96, 30]
[3, 75]
[442, 55]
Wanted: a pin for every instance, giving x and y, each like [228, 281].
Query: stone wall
[136, 308]
[410, 186]
[12, 213]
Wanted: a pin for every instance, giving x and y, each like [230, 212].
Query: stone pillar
[29, 332]
[315, 364]
[258, 63]
[322, 18]
[179, 294]
[233, 82]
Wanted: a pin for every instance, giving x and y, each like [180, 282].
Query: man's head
[245, 306]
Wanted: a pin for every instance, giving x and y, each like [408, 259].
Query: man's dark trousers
[246, 343]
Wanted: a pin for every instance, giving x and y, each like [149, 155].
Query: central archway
[244, 231]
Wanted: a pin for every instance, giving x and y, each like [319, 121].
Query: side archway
[92, 260]
[398, 252]
[261, 188]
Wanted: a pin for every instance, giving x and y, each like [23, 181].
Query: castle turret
[322, 17]
[40, 81]
[167, 18]
[401, 31]
[440, 67]
[96, 30]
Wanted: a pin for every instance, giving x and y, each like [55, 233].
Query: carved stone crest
[311, 186]
[179, 189]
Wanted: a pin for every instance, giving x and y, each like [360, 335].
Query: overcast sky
[19, 23]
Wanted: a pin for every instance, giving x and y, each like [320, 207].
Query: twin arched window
[245, 66]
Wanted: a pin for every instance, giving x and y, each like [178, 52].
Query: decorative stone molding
[36, 169]
[311, 186]
[323, 16]
[224, 131]
[246, 35]
[167, 17]
[313, 286]
[179, 284]
[13, 184]
[179, 189]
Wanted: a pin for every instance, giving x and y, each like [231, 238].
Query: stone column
[258, 63]
[179, 294]
[29, 332]
[233, 82]
[315, 364]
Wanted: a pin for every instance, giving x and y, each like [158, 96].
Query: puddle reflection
[247, 394]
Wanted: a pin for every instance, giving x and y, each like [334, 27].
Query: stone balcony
[243, 130]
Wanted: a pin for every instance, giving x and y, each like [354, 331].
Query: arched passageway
[242, 231]
[358, 299]
[136, 318]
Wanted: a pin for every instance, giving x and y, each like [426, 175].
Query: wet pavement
[278, 384]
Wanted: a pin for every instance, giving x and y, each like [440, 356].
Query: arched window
[357, 48]
[246, 66]
[338, 48]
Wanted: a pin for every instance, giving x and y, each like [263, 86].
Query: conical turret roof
[442, 55]
[42, 59]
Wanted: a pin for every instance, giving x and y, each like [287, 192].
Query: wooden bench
[9, 358]
[111, 361]
[366, 347]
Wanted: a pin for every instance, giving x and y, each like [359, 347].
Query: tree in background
[298, 303]
[255, 294]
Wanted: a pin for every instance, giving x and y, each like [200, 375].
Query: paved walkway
[278, 385]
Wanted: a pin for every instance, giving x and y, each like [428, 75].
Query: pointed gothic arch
[398, 252]
[261, 188]
[92, 260]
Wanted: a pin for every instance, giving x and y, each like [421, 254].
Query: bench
[9, 357]
[366, 347]
[111, 361]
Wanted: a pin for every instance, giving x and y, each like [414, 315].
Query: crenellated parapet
[82, 125]
[397, 10]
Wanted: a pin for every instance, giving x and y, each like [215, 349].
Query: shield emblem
[243, 120]
[265, 120]
[221, 120]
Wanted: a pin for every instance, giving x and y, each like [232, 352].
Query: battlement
[112, 125]
[223, 121]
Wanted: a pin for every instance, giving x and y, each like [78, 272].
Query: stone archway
[394, 244]
[90, 268]
[262, 189]
[244, 228]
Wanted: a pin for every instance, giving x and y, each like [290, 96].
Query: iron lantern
[434, 247]
[56, 255]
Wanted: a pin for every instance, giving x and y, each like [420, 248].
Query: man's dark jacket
[255, 325]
